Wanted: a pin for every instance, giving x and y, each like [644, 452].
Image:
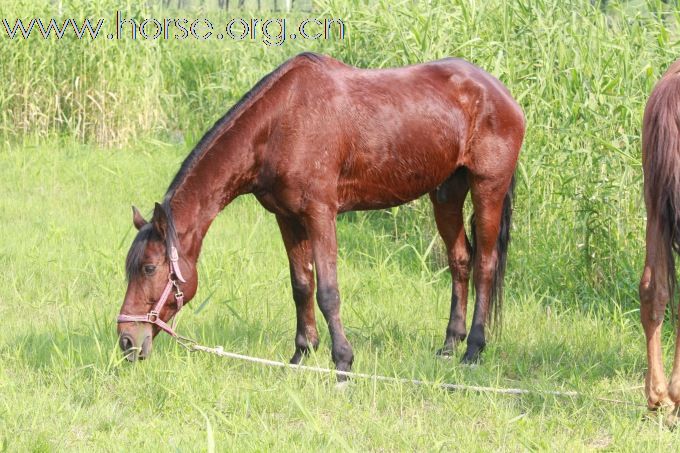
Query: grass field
[70, 169]
[64, 385]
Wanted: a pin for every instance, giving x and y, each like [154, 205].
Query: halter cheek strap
[153, 317]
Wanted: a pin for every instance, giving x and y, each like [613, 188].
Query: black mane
[223, 123]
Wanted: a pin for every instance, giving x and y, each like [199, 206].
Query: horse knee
[645, 288]
[328, 299]
[303, 289]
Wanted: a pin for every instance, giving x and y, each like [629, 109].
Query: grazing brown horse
[315, 138]
[661, 167]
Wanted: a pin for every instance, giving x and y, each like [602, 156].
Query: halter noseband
[153, 317]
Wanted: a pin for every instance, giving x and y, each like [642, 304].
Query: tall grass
[112, 92]
[582, 77]
[568, 58]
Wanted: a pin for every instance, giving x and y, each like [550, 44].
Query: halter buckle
[152, 316]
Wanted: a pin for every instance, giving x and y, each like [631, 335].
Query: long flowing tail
[661, 165]
[496, 299]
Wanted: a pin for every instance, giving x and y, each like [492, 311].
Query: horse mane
[226, 121]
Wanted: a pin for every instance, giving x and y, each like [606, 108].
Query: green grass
[64, 386]
[71, 165]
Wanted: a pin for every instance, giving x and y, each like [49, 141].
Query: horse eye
[149, 269]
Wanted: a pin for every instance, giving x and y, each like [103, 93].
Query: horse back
[383, 137]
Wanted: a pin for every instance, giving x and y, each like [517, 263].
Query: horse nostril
[146, 348]
[126, 343]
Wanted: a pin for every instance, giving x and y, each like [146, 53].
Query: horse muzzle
[136, 342]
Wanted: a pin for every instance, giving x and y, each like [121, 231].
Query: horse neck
[227, 165]
[224, 171]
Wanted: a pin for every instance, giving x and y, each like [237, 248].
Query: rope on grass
[219, 351]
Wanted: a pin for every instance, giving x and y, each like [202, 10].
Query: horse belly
[385, 183]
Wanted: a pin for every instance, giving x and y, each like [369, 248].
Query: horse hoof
[668, 414]
[300, 353]
[342, 386]
[662, 406]
[445, 353]
[672, 419]
[470, 358]
[297, 358]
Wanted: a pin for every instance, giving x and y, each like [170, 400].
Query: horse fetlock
[657, 396]
[306, 342]
[674, 390]
[453, 339]
[475, 345]
[456, 332]
[477, 336]
[312, 337]
[449, 348]
[659, 402]
[342, 355]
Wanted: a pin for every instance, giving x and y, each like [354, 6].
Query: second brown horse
[661, 167]
[317, 137]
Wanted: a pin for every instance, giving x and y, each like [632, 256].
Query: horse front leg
[299, 252]
[320, 223]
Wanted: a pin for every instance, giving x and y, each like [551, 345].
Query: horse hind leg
[447, 202]
[654, 295]
[491, 198]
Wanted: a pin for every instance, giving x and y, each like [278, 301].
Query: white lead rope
[219, 351]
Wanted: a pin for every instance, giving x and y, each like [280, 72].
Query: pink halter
[153, 317]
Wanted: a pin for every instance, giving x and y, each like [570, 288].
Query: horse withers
[315, 138]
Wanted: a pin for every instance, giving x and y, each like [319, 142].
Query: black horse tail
[502, 243]
[661, 166]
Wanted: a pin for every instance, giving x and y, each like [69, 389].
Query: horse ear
[160, 221]
[137, 218]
